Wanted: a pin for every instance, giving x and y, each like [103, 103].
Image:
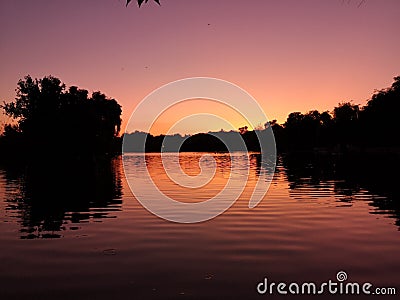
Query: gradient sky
[291, 55]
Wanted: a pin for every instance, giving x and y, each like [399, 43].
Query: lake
[78, 232]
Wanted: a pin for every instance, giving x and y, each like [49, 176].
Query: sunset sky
[291, 55]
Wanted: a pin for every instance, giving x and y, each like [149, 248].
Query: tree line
[53, 120]
[347, 126]
[221, 141]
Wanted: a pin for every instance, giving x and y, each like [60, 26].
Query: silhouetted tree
[379, 118]
[50, 118]
[279, 134]
[325, 138]
[346, 123]
[294, 131]
[140, 2]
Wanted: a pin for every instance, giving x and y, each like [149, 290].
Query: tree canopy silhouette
[49, 117]
[140, 2]
[348, 125]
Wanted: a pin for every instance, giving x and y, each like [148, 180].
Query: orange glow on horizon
[190, 117]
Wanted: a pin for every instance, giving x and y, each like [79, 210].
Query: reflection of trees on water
[348, 177]
[53, 197]
[263, 165]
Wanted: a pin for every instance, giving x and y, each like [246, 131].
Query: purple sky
[291, 55]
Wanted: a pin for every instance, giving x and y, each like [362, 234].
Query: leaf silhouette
[140, 2]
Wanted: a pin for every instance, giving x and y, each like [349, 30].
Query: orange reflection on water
[190, 164]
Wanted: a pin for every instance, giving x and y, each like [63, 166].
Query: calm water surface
[81, 234]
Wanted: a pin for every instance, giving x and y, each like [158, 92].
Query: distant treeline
[347, 127]
[201, 142]
[53, 121]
